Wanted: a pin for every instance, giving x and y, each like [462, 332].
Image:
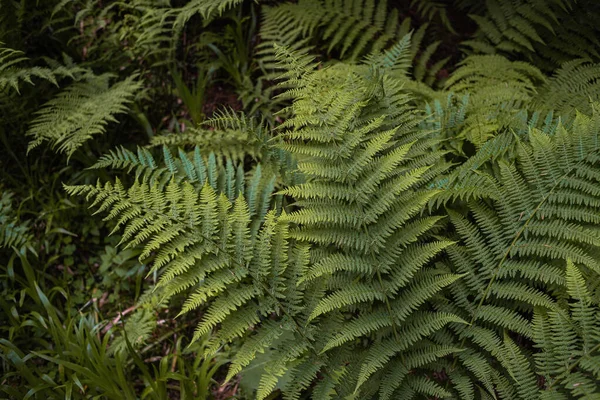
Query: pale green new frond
[80, 112]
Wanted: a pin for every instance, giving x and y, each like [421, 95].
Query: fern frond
[11, 73]
[538, 29]
[517, 240]
[80, 112]
[206, 9]
[568, 341]
[572, 87]
[13, 233]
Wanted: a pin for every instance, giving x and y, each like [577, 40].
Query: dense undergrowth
[313, 199]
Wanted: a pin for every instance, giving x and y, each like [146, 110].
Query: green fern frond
[568, 342]
[13, 72]
[13, 233]
[353, 29]
[572, 87]
[540, 30]
[207, 9]
[517, 236]
[80, 112]
[232, 144]
[487, 95]
[360, 205]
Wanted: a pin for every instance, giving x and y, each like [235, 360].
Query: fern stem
[389, 309]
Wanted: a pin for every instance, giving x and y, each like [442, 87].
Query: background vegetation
[326, 199]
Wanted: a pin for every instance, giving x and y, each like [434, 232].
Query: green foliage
[353, 29]
[569, 341]
[86, 369]
[344, 200]
[80, 112]
[359, 28]
[13, 233]
[207, 245]
[574, 86]
[526, 220]
[494, 89]
[547, 32]
[206, 8]
[11, 74]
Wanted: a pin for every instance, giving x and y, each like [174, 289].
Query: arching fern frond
[13, 233]
[548, 33]
[13, 72]
[538, 213]
[81, 111]
[571, 88]
[568, 341]
[359, 210]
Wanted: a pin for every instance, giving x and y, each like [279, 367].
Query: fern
[12, 71]
[245, 264]
[223, 177]
[532, 215]
[206, 9]
[232, 144]
[571, 88]
[569, 343]
[486, 96]
[497, 89]
[358, 210]
[549, 33]
[354, 29]
[13, 233]
[233, 136]
[80, 112]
